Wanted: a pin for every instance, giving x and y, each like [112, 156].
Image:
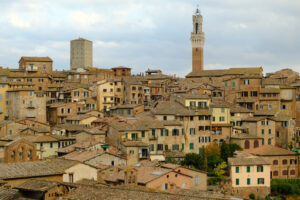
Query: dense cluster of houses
[108, 127]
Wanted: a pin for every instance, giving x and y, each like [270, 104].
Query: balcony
[153, 137]
[30, 106]
[31, 68]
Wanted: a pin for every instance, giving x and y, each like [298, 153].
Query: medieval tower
[197, 40]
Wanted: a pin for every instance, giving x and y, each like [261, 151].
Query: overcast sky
[146, 34]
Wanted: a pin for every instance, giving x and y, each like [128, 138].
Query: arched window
[21, 153]
[12, 156]
[256, 144]
[247, 144]
[292, 172]
[275, 162]
[275, 173]
[284, 162]
[285, 172]
[29, 154]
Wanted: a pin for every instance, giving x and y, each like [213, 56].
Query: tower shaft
[197, 40]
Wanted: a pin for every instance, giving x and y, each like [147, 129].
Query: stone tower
[197, 40]
[81, 54]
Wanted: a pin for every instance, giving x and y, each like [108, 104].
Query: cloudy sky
[153, 33]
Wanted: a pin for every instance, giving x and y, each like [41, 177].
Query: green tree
[220, 169]
[225, 151]
[234, 147]
[192, 160]
[171, 160]
[204, 159]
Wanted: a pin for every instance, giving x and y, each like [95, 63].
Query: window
[277, 134]
[248, 181]
[153, 132]
[292, 172]
[222, 119]
[167, 132]
[182, 146]
[165, 186]
[284, 124]
[233, 84]
[175, 147]
[260, 181]
[160, 147]
[223, 110]
[161, 132]
[41, 144]
[269, 141]
[285, 172]
[165, 117]
[214, 119]
[192, 131]
[260, 168]
[62, 110]
[196, 180]
[226, 84]
[284, 162]
[10, 132]
[248, 169]
[253, 93]
[71, 176]
[51, 145]
[143, 133]
[237, 169]
[262, 131]
[237, 181]
[282, 107]
[246, 82]
[275, 162]
[44, 67]
[181, 118]
[191, 118]
[182, 131]
[191, 146]
[131, 152]
[275, 173]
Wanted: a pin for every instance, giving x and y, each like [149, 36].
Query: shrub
[252, 196]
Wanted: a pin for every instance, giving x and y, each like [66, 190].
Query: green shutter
[214, 118]
[270, 131]
[237, 181]
[248, 181]
[167, 132]
[161, 132]
[126, 136]
[237, 169]
[182, 146]
[143, 133]
[248, 169]
[182, 131]
[262, 131]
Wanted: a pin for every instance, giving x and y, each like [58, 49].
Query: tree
[204, 159]
[213, 158]
[225, 151]
[171, 160]
[220, 169]
[192, 160]
[234, 147]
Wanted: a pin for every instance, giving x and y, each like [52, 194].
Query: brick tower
[197, 40]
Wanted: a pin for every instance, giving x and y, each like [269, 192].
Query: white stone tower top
[197, 36]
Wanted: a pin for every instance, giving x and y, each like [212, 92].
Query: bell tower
[197, 40]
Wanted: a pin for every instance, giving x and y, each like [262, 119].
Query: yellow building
[3, 88]
[220, 114]
[110, 92]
